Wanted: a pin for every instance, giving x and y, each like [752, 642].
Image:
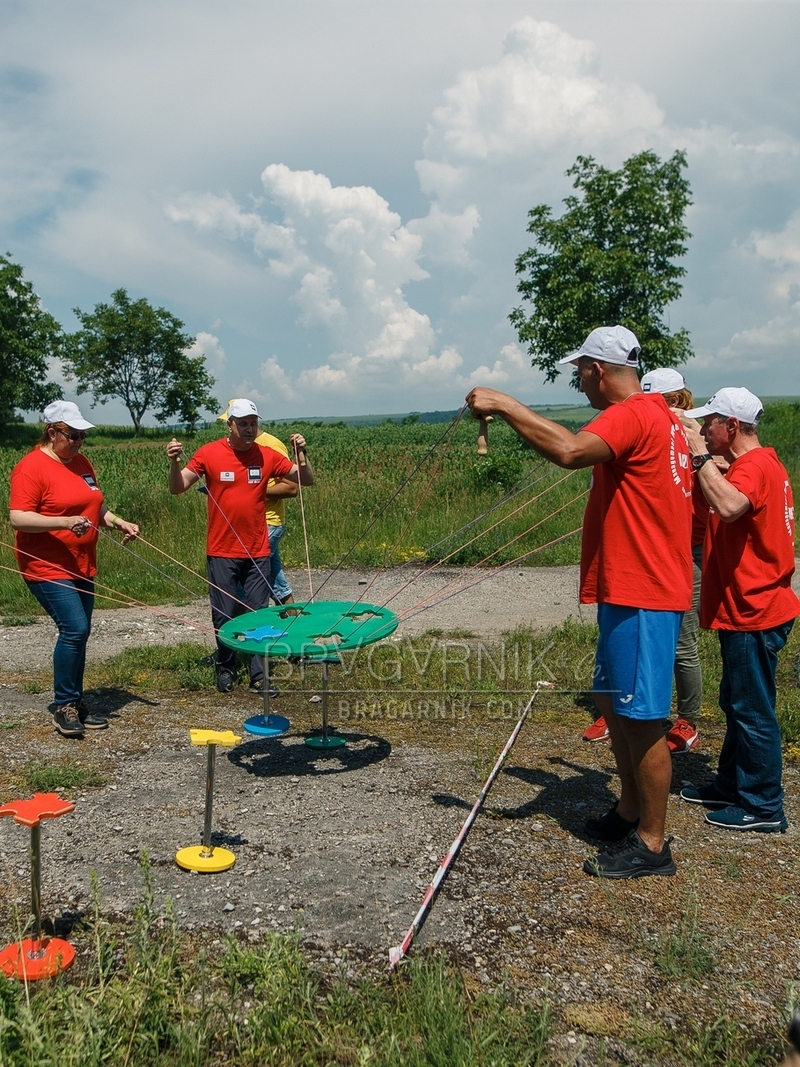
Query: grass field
[385, 494]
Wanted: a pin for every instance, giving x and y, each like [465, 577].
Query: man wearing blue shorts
[636, 565]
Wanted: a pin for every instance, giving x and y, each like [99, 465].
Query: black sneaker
[631, 858]
[707, 795]
[225, 680]
[257, 686]
[210, 660]
[89, 719]
[68, 722]
[610, 827]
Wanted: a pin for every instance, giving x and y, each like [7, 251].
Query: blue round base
[267, 726]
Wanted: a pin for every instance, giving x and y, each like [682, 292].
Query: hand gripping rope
[399, 951]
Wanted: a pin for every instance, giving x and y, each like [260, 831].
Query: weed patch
[46, 777]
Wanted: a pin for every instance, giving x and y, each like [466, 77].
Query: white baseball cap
[65, 411]
[663, 380]
[733, 403]
[608, 344]
[241, 409]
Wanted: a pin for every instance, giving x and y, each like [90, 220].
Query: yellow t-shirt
[276, 509]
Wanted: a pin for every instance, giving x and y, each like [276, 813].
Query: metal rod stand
[212, 752]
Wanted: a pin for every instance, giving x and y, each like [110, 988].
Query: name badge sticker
[226, 476]
[253, 475]
[90, 482]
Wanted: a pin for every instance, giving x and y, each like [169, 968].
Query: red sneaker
[597, 731]
[681, 737]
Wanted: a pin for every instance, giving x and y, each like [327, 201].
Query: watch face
[698, 461]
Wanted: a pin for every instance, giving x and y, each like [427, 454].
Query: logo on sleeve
[253, 475]
[226, 476]
[788, 509]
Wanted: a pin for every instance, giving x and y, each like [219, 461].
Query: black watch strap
[700, 461]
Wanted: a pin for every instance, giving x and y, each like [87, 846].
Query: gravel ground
[339, 847]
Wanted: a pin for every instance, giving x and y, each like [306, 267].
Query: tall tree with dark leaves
[133, 352]
[611, 258]
[29, 338]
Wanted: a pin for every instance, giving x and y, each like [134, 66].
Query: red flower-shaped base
[29, 960]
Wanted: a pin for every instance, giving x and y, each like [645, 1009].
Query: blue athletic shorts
[636, 658]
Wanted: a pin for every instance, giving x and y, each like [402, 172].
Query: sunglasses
[81, 436]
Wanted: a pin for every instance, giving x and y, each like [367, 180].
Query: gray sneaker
[68, 721]
[89, 719]
[707, 795]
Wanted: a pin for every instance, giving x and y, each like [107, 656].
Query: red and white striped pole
[399, 951]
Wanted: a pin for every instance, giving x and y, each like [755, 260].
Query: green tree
[29, 337]
[609, 259]
[138, 354]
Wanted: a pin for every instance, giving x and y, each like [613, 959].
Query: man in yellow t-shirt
[277, 491]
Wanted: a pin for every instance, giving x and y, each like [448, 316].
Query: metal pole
[324, 700]
[36, 882]
[399, 951]
[207, 849]
[266, 687]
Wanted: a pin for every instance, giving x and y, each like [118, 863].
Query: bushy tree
[138, 354]
[610, 258]
[29, 337]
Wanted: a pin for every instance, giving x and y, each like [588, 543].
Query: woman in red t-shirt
[56, 509]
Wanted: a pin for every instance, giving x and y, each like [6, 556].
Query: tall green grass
[150, 995]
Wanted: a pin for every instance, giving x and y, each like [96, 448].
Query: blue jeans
[69, 604]
[751, 760]
[277, 579]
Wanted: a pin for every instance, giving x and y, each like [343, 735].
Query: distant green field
[386, 494]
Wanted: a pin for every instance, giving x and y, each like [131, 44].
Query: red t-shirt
[748, 564]
[43, 484]
[237, 489]
[699, 513]
[636, 530]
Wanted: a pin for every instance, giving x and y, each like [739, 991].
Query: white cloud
[206, 344]
[782, 251]
[758, 353]
[445, 236]
[506, 371]
[543, 91]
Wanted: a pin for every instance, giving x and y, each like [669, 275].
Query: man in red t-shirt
[237, 473]
[636, 565]
[747, 597]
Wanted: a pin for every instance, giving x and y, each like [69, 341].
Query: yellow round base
[195, 859]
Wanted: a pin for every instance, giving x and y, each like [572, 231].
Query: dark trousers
[751, 760]
[237, 585]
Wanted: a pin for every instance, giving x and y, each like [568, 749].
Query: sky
[331, 194]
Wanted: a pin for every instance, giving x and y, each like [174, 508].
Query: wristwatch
[699, 461]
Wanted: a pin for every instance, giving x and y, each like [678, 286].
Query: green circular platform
[315, 630]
